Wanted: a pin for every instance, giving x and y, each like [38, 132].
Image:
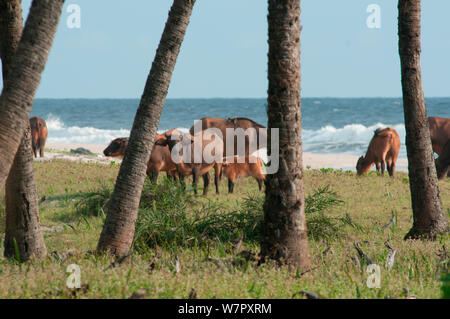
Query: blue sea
[330, 125]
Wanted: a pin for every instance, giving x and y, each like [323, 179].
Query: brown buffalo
[384, 147]
[443, 161]
[117, 147]
[234, 123]
[174, 137]
[38, 135]
[439, 132]
[159, 158]
[252, 166]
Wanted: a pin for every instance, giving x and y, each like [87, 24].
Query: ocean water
[330, 125]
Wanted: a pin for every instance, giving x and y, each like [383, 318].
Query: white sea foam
[59, 132]
[351, 139]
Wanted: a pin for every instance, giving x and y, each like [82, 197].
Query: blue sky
[225, 50]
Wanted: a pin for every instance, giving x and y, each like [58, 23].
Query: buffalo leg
[217, 176]
[41, 148]
[182, 183]
[154, 176]
[205, 183]
[175, 177]
[195, 180]
[260, 181]
[391, 173]
[378, 167]
[33, 147]
[230, 186]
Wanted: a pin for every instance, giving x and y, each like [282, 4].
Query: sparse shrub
[169, 216]
[163, 218]
[175, 218]
[94, 203]
[226, 226]
[321, 199]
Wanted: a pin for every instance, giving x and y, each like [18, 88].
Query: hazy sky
[224, 53]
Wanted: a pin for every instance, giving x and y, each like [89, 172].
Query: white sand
[310, 160]
[94, 148]
[344, 161]
[55, 151]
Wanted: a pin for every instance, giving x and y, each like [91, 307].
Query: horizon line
[230, 98]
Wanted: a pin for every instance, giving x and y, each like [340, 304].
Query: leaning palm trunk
[22, 210]
[23, 234]
[24, 75]
[284, 236]
[428, 212]
[118, 231]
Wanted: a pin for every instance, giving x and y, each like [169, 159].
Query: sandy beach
[310, 160]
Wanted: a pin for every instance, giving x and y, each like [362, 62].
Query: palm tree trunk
[118, 231]
[428, 212]
[284, 236]
[22, 210]
[24, 75]
[10, 31]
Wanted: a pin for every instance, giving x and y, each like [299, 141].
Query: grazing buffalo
[443, 161]
[117, 147]
[384, 147]
[235, 123]
[252, 166]
[187, 164]
[439, 132]
[159, 158]
[38, 135]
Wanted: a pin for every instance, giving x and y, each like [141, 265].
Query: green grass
[216, 240]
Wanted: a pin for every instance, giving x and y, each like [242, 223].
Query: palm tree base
[429, 233]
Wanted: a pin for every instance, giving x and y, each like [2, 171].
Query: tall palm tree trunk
[284, 235]
[24, 75]
[118, 231]
[22, 210]
[428, 212]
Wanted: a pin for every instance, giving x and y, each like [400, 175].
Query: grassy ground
[205, 247]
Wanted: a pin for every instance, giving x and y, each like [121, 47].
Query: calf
[252, 166]
[186, 164]
[159, 158]
[384, 147]
[38, 135]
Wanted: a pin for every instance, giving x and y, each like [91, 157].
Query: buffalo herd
[382, 151]
[239, 164]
